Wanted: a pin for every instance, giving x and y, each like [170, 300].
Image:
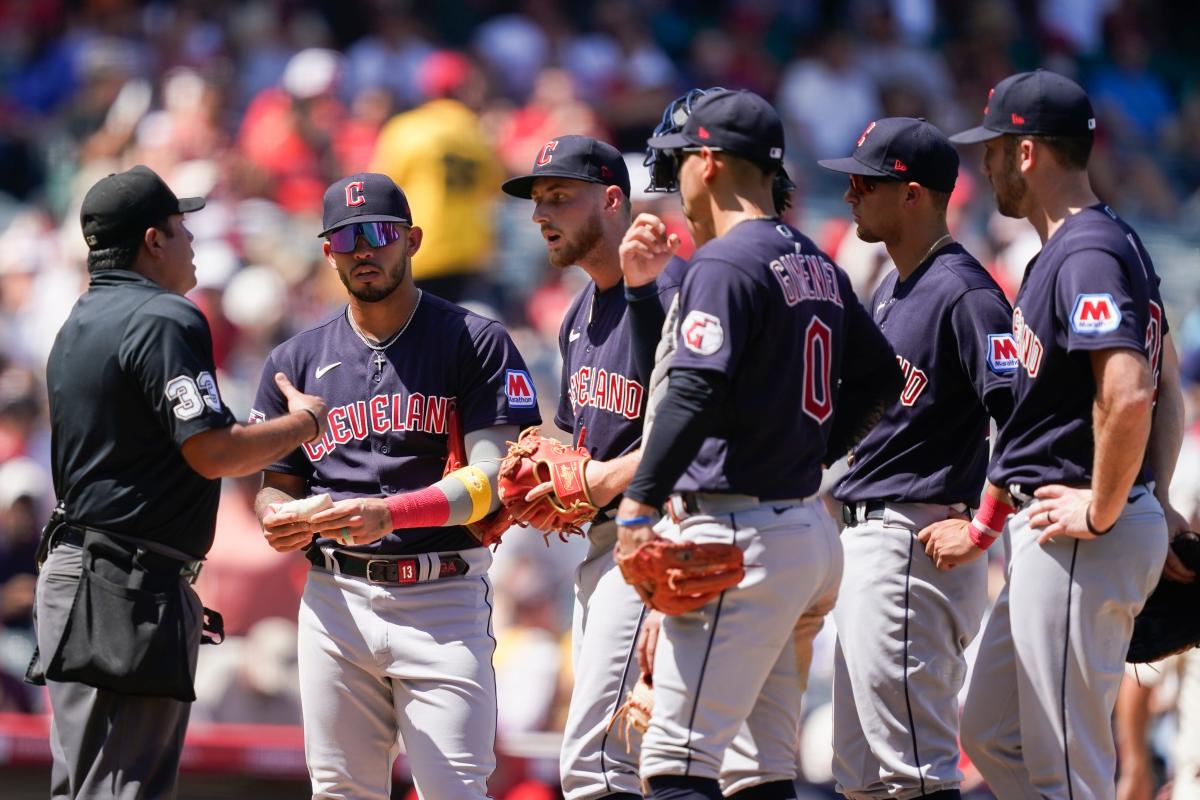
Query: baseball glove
[634, 713]
[1168, 623]
[533, 460]
[677, 577]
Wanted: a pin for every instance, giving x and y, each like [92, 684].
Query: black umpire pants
[105, 745]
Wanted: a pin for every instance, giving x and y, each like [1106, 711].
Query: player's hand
[629, 538]
[1060, 511]
[285, 531]
[948, 543]
[646, 249]
[298, 400]
[357, 520]
[1174, 569]
[647, 644]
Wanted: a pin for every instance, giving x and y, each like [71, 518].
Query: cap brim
[852, 166]
[187, 204]
[365, 218]
[668, 141]
[975, 135]
[522, 187]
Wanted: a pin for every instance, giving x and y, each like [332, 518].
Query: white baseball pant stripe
[903, 626]
[384, 664]
[596, 762]
[729, 669]
[1037, 718]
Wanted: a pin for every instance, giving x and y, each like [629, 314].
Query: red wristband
[424, 508]
[989, 521]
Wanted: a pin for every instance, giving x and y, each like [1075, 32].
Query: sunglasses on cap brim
[376, 234]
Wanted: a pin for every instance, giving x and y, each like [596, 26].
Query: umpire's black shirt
[130, 379]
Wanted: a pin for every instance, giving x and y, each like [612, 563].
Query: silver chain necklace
[934, 247]
[379, 347]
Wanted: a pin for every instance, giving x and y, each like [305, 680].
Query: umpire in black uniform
[140, 439]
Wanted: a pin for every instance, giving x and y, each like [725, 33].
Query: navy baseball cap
[738, 122]
[902, 148]
[1035, 103]
[123, 205]
[579, 158]
[364, 197]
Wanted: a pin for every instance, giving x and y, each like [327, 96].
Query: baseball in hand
[305, 507]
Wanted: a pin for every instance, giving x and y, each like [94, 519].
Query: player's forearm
[464, 496]
[683, 422]
[1166, 430]
[607, 479]
[246, 449]
[646, 317]
[1121, 424]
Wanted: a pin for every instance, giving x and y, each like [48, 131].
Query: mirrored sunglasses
[377, 234]
[861, 184]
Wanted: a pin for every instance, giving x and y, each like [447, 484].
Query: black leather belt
[873, 510]
[389, 570]
[74, 536]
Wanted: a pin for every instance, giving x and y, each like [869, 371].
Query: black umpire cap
[1035, 103]
[737, 122]
[579, 158]
[363, 197]
[121, 206]
[904, 149]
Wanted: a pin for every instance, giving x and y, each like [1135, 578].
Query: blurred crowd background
[259, 104]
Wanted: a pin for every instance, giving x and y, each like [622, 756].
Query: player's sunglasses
[861, 184]
[377, 234]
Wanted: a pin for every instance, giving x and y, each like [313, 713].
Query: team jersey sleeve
[982, 323]
[269, 403]
[1097, 305]
[719, 307]
[564, 416]
[167, 347]
[498, 389]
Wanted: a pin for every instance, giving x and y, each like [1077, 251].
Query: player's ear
[415, 235]
[1028, 154]
[912, 193]
[614, 198]
[152, 238]
[328, 251]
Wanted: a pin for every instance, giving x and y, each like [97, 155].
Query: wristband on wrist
[316, 422]
[989, 521]
[633, 522]
[1092, 529]
[424, 508]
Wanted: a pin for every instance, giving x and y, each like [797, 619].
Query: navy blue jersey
[388, 410]
[1092, 287]
[950, 327]
[764, 306]
[602, 391]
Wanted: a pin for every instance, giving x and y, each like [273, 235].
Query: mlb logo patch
[1002, 353]
[256, 416]
[702, 333]
[519, 388]
[1095, 314]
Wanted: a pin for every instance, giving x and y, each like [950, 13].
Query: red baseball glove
[677, 577]
[532, 460]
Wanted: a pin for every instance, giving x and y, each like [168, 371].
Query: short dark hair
[941, 200]
[122, 255]
[1071, 152]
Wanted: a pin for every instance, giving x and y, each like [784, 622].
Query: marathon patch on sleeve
[1095, 314]
[702, 333]
[1003, 357]
[519, 388]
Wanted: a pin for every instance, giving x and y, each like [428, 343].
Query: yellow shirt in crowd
[451, 176]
